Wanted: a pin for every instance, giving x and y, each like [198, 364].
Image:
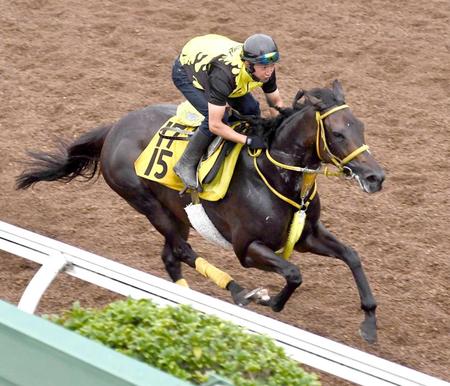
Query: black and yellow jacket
[214, 64]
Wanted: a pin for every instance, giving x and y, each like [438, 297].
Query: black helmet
[260, 49]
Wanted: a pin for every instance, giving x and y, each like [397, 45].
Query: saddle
[215, 170]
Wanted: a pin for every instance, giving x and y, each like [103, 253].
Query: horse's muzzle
[371, 181]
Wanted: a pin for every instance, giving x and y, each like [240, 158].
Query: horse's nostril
[375, 178]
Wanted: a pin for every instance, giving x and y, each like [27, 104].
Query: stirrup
[195, 190]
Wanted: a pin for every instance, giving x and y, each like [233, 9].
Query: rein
[309, 186]
[305, 189]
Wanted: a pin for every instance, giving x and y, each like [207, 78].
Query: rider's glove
[254, 142]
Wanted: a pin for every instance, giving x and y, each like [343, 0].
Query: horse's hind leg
[174, 232]
[176, 248]
[173, 265]
[322, 242]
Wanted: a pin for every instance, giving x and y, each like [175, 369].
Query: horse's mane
[266, 128]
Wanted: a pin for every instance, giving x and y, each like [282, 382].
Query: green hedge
[186, 343]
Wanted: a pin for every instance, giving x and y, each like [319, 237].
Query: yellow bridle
[309, 185]
[321, 136]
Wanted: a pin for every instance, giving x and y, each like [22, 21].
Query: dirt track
[68, 66]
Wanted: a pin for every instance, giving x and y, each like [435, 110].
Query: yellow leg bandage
[215, 274]
[182, 282]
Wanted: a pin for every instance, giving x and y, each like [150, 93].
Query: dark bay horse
[256, 221]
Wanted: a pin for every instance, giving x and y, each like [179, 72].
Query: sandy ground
[68, 66]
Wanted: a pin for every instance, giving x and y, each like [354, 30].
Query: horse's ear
[297, 97]
[314, 101]
[338, 91]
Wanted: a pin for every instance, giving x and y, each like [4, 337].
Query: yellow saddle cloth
[156, 162]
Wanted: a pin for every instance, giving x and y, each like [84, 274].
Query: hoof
[240, 298]
[259, 295]
[368, 331]
[277, 307]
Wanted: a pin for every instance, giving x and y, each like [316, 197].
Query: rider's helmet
[260, 49]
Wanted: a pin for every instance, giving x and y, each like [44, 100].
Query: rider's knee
[179, 76]
[251, 107]
[204, 128]
[246, 105]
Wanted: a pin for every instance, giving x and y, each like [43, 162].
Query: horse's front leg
[261, 257]
[322, 242]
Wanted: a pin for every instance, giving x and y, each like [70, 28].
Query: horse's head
[340, 137]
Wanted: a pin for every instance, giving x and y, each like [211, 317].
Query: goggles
[271, 57]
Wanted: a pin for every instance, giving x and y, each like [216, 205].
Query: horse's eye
[339, 137]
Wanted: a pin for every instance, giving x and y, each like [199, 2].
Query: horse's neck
[293, 145]
[295, 142]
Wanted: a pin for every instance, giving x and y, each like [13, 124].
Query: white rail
[321, 353]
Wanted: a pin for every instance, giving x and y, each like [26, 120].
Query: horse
[264, 194]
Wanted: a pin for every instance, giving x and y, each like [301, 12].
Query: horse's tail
[79, 158]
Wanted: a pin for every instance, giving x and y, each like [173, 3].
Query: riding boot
[186, 167]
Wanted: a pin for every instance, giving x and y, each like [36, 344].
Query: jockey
[214, 72]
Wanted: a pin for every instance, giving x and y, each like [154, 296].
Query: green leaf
[197, 352]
